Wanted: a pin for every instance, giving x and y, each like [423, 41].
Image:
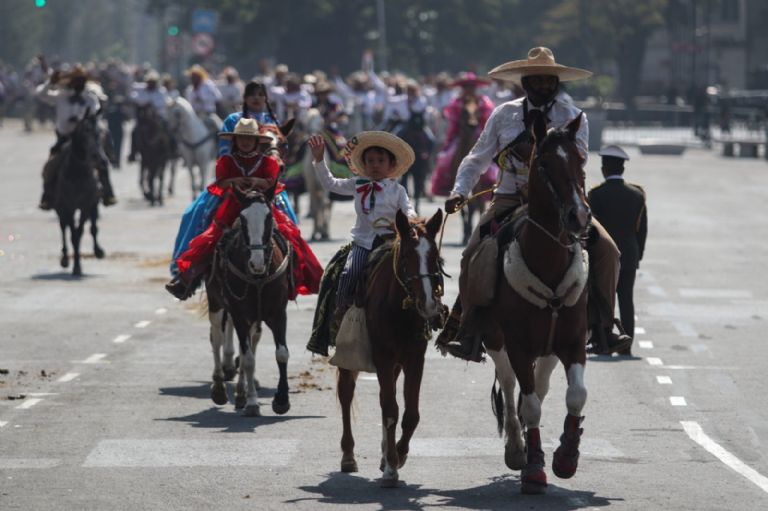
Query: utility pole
[382, 19]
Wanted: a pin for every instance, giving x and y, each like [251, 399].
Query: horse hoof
[252, 411]
[348, 466]
[77, 271]
[533, 480]
[515, 460]
[280, 408]
[240, 402]
[98, 253]
[387, 482]
[564, 465]
[64, 261]
[219, 394]
[532, 488]
[229, 373]
[382, 464]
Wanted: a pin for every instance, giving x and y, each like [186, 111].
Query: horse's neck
[546, 258]
[192, 127]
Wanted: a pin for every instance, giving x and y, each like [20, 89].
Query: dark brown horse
[539, 314]
[250, 283]
[401, 300]
[154, 146]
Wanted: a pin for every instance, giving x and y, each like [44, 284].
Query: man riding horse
[506, 140]
[148, 94]
[72, 105]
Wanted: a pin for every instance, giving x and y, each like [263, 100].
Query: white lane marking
[470, 447]
[68, 377]
[646, 345]
[161, 311]
[232, 450]
[685, 329]
[3, 423]
[657, 291]
[714, 293]
[121, 339]
[27, 463]
[654, 361]
[664, 380]
[694, 431]
[28, 403]
[639, 330]
[677, 401]
[43, 394]
[369, 377]
[142, 324]
[95, 358]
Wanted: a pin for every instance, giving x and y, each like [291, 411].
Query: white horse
[196, 144]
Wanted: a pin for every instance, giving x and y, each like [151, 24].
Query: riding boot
[459, 340]
[107, 194]
[184, 284]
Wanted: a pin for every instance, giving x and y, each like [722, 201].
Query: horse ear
[435, 223]
[574, 125]
[402, 224]
[287, 127]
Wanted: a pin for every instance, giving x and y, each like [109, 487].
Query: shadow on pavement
[501, 492]
[230, 421]
[202, 391]
[62, 275]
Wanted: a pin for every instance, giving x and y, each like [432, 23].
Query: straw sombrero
[246, 127]
[197, 70]
[540, 61]
[404, 156]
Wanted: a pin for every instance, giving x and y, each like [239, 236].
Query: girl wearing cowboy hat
[244, 168]
[379, 159]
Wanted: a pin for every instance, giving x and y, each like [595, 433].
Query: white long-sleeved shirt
[204, 98]
[68, 112]
[399, 108]
[389, 199]
[504, 125]
[157, 97]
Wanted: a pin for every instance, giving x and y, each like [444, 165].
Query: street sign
[204, 21]
[202, 44]
[172, 46]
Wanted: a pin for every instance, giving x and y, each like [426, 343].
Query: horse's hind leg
[277, 323]
[413, 372]
[172, 177]
[566, 458]
[247, 364]
[345, 389]
[229, 365]
[387, 375]
[77, 236]
[514, 449]
[98, 252]
[217, 320]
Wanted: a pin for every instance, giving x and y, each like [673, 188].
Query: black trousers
[625, 294]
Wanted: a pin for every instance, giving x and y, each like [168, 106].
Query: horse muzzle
[578, 219]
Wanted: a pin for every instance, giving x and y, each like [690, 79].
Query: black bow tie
[77, 99]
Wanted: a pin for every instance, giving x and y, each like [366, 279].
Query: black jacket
[620, 207]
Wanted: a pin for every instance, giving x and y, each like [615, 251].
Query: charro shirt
[157, 97]
[504, 125]
[374, 200]
[204, 98]
[69, 108]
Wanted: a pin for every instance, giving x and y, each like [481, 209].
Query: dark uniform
[620, 207]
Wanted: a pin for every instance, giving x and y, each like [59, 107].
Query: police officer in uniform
[620, 207]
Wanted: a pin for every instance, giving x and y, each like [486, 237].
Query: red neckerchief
[367, 187]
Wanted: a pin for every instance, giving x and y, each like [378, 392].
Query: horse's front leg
[514, 449]
[533, 479]
[345, 389]
[161, 183]
[413, 372]
[98, 252]
[246, 369]
[277, 323]
[248, 364]
[387, 374]
[542, 374]
[566, 457]
[217, 320]
[77, 236]
[172, 176]
[63, 224]
[229, 364]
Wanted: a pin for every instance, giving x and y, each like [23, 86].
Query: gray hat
[614, 151]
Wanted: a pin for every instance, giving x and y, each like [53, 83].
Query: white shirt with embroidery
[68, 111]
[373, 200]
[504, 125]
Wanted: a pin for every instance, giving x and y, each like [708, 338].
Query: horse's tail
[497, 405]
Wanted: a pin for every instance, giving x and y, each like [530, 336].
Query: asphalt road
[104, 385]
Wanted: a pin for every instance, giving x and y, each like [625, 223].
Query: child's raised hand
[317, 146]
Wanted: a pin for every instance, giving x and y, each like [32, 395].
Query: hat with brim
[540, 61]
[197, 70]
[357, 145]
[245, 128]
[323, 86]
[152, 76]
[613, 151]
[469, 79]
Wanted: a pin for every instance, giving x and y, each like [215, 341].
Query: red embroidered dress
[307, 270]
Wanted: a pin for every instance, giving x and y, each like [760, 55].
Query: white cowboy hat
[540, 61]
[614, 151]
[245, 127]
[404, 155]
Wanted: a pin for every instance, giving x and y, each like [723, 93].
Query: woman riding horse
[245, 168]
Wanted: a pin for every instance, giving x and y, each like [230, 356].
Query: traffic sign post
[204, 21]
[202, 44]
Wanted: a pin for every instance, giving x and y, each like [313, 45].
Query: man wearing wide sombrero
[72, 104]
[506, 140]
[203, 95]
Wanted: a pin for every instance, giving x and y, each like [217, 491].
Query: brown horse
[402, 300]
[539, 314]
